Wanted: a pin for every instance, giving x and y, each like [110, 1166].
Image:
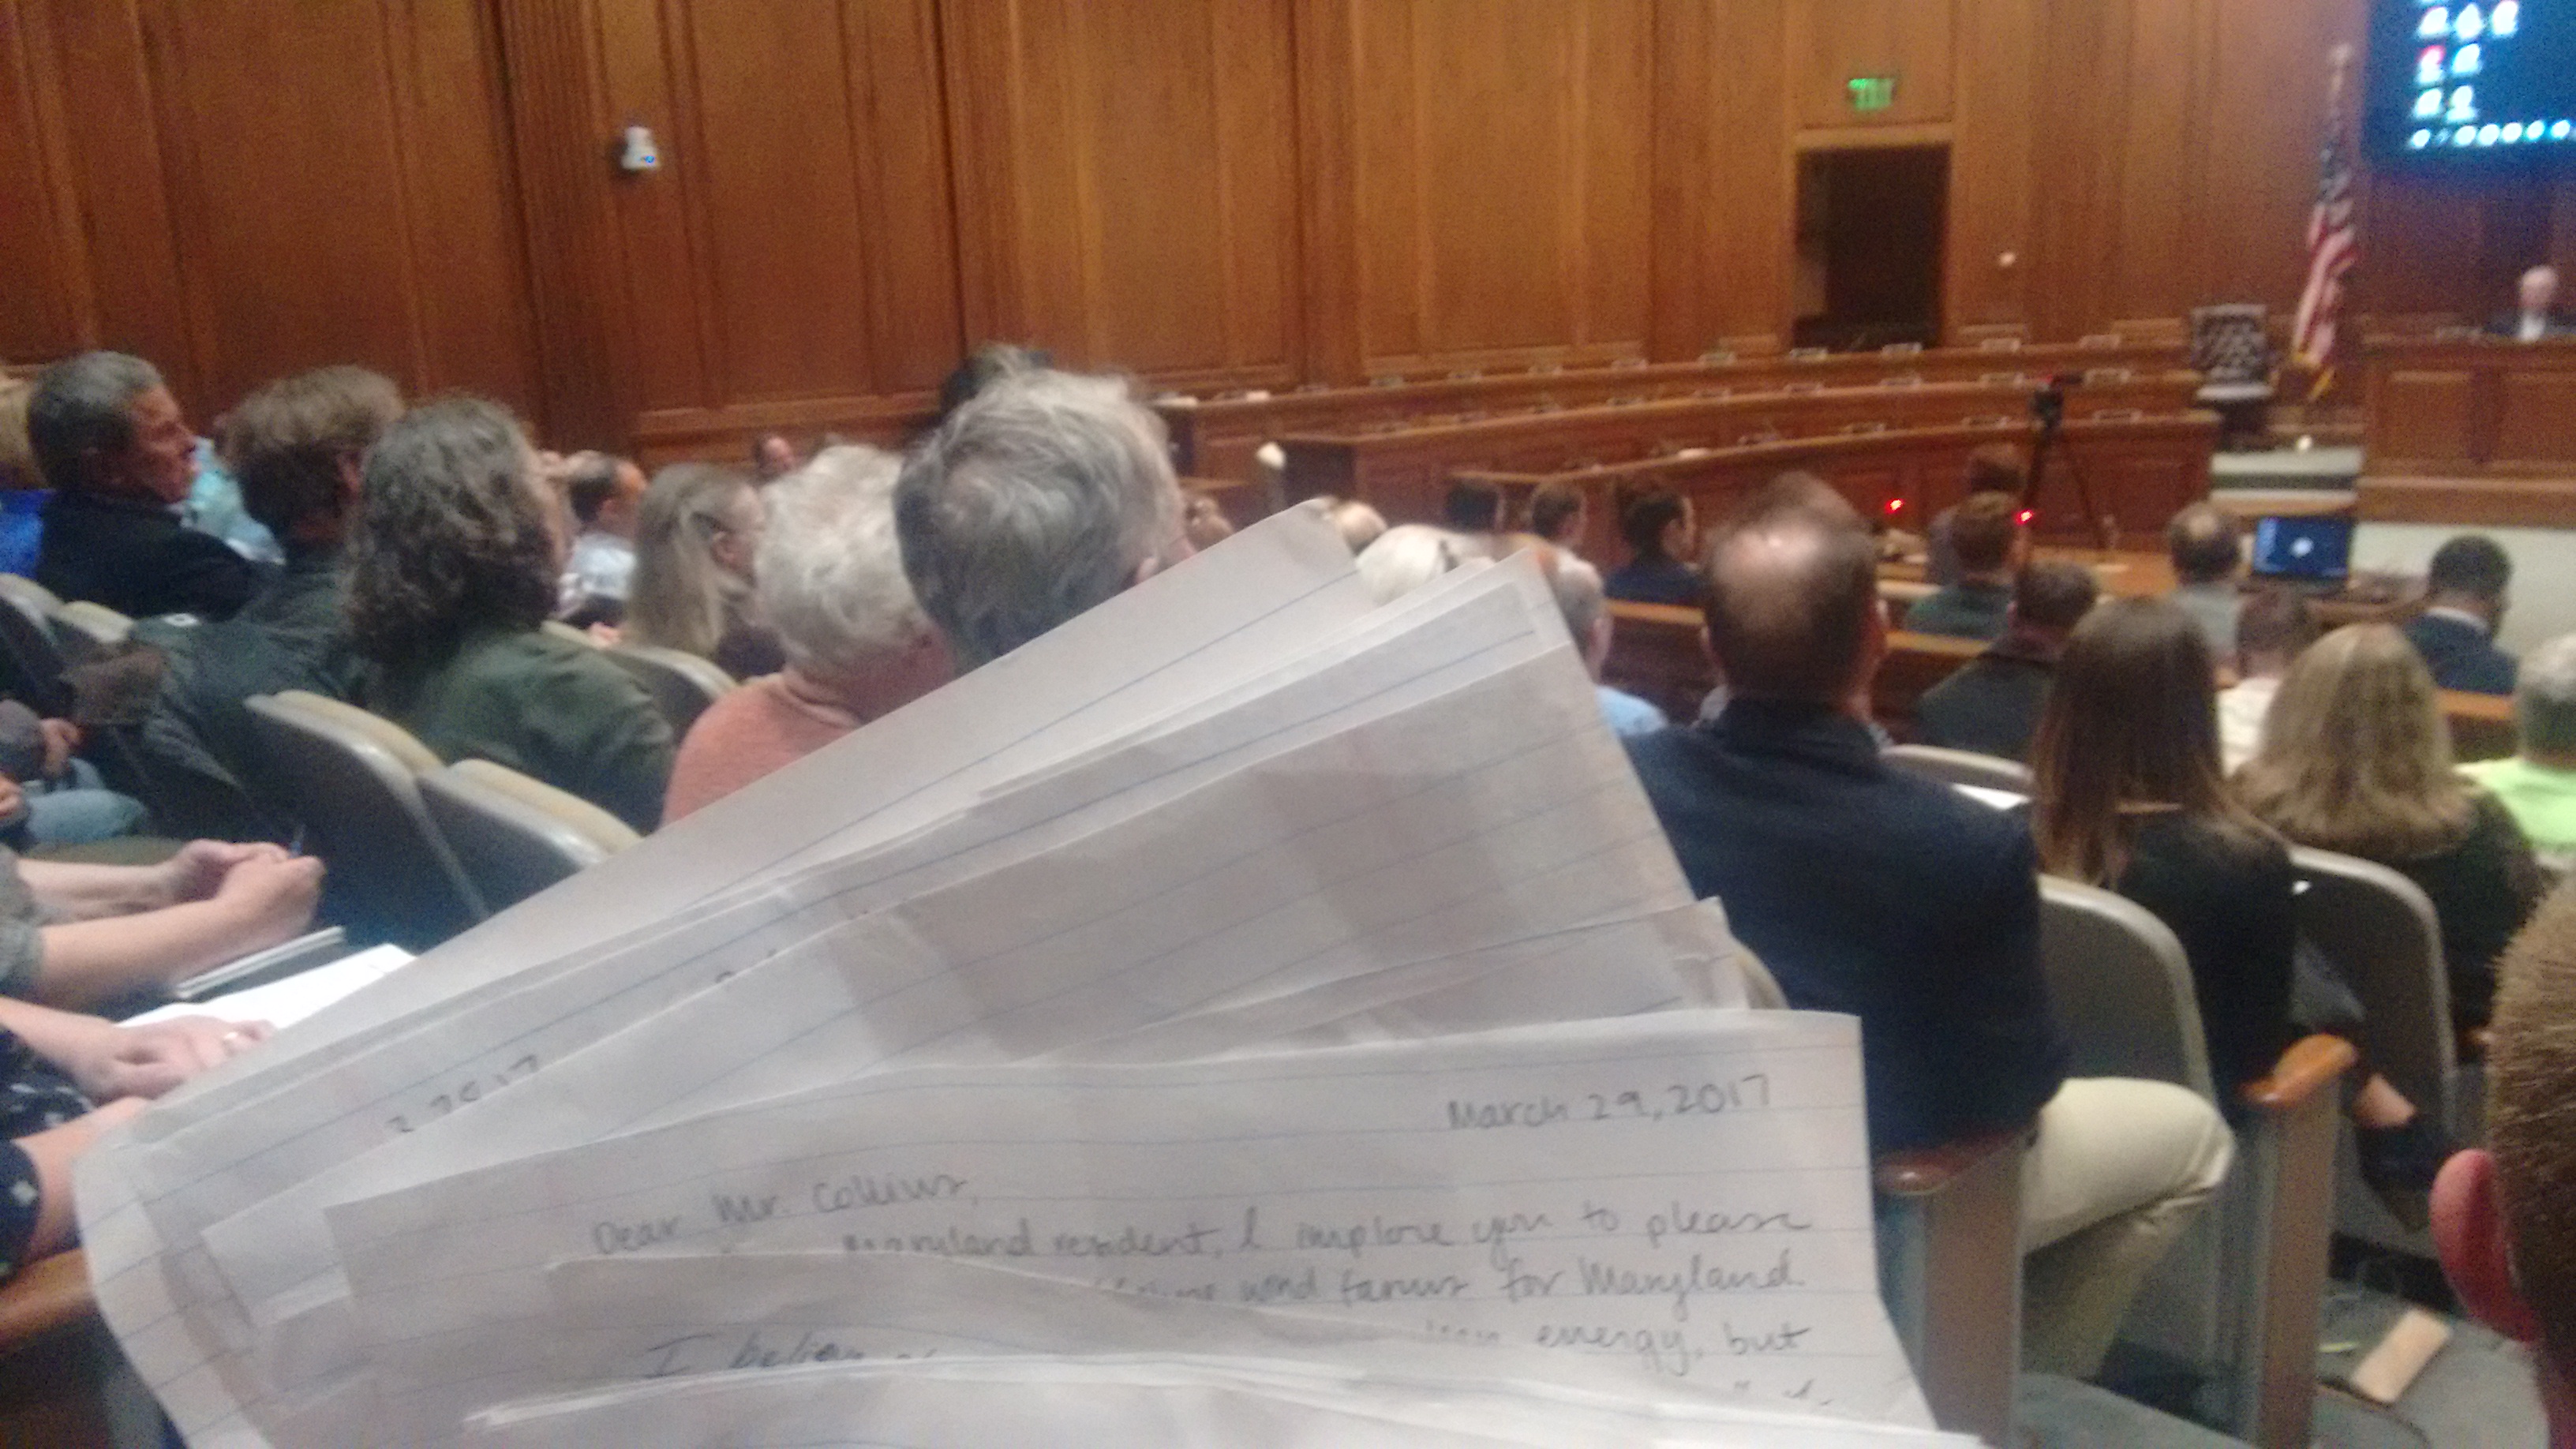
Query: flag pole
[2339, 69]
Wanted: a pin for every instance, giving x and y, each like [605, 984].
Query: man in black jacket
[298, 446]
[1992, 705]
[119, 457]
[1871, 891]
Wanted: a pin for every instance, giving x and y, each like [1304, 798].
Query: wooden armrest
[2310, 1066]
[47, 1294]
[1929, 1169]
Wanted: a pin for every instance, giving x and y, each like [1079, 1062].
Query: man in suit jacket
[120, 458]
[2464, 599]
[2535, 315]
[1916, 909]
[1992, 705]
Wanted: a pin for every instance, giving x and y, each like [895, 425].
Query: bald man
[2501, 1215]
[1876, 892]
[2535, 314]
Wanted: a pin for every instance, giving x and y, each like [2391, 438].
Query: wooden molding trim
[2469, 502]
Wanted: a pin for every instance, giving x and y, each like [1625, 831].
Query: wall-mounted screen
[2475, 82]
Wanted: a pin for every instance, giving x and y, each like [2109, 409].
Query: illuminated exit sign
[1872, 92]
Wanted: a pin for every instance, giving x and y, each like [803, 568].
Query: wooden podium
[2470, 430]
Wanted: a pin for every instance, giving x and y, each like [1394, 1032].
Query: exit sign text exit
[1872, 92]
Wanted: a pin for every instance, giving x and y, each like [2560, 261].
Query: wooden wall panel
[351, 206]
[1723, 184]
[1831, 41]
[1127, 173]
[1503, 155]
[1212, 193]
[116, 165]
[44, 304]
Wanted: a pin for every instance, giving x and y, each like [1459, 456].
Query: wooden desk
[1656, 654]
[2469, 430]
[1216, 437]
[1403, 471]
[2142, 471]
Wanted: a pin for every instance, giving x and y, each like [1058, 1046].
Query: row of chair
[2239, 1297]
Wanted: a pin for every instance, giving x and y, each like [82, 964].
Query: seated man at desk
[2535, 315]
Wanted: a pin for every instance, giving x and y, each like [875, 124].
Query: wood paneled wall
[1214, 193]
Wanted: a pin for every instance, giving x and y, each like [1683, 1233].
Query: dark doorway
[1871, 226]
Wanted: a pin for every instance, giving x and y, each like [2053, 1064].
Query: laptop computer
[2310, 552]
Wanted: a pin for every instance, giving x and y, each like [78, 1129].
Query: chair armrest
[47, 1294]
[2310, 1066]
[1924, 1171]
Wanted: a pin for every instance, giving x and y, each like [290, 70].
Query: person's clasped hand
[274, 894]
[200, 868]
[146, 1061]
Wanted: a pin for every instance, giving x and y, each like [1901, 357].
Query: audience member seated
[84, 935]
[2127, 794]
[48, 794]
[1587, 618]
[1875, 892]
[1993, 469]
[117, 454]
[1357, 523]
[695, 537]
[1203, 519]
[22, 487]
[604, 493]
[857, 644]
[1986, 533]
[1472, 506]
[2465, 592]
[1992, 705]
[299, 448]
[2535, 315]
[215, 506]
[2276, 627]
[983, 367]
[1659, 530]
[1797, 490]
[1560, 513]
[453, 562]
[1409, 555]
[2356, 758]
[772, 458]
[2539, 783]
[1045, 494]
[2501, 1218]
[65, 1080]
[2201, 540]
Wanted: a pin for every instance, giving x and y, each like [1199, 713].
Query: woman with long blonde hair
[696, 534]
[2356, 758]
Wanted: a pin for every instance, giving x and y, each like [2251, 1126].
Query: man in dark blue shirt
[1901, 901]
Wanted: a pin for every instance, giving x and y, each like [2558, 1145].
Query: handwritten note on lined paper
[1677, 1191]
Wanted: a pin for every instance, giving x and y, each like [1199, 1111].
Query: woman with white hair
[857, 644]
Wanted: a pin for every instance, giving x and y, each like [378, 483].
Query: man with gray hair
[1045, 495]
[2539, 783]
[2535, 313]
[858, 647]
[1587, 617]
[119, 456]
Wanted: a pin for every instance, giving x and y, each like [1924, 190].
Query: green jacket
[543, 706]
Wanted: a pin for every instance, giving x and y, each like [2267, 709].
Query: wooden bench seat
[2140, 471]
[1404, 469]
[1217, 436]
[1656, 654]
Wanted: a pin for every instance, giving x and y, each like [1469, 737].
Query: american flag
[2333, 245]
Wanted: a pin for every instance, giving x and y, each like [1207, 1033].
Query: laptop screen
[2313, 547]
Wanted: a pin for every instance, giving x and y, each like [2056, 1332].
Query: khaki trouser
[2117, 1170]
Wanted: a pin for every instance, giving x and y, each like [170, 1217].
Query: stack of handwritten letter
[1243, 1016]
